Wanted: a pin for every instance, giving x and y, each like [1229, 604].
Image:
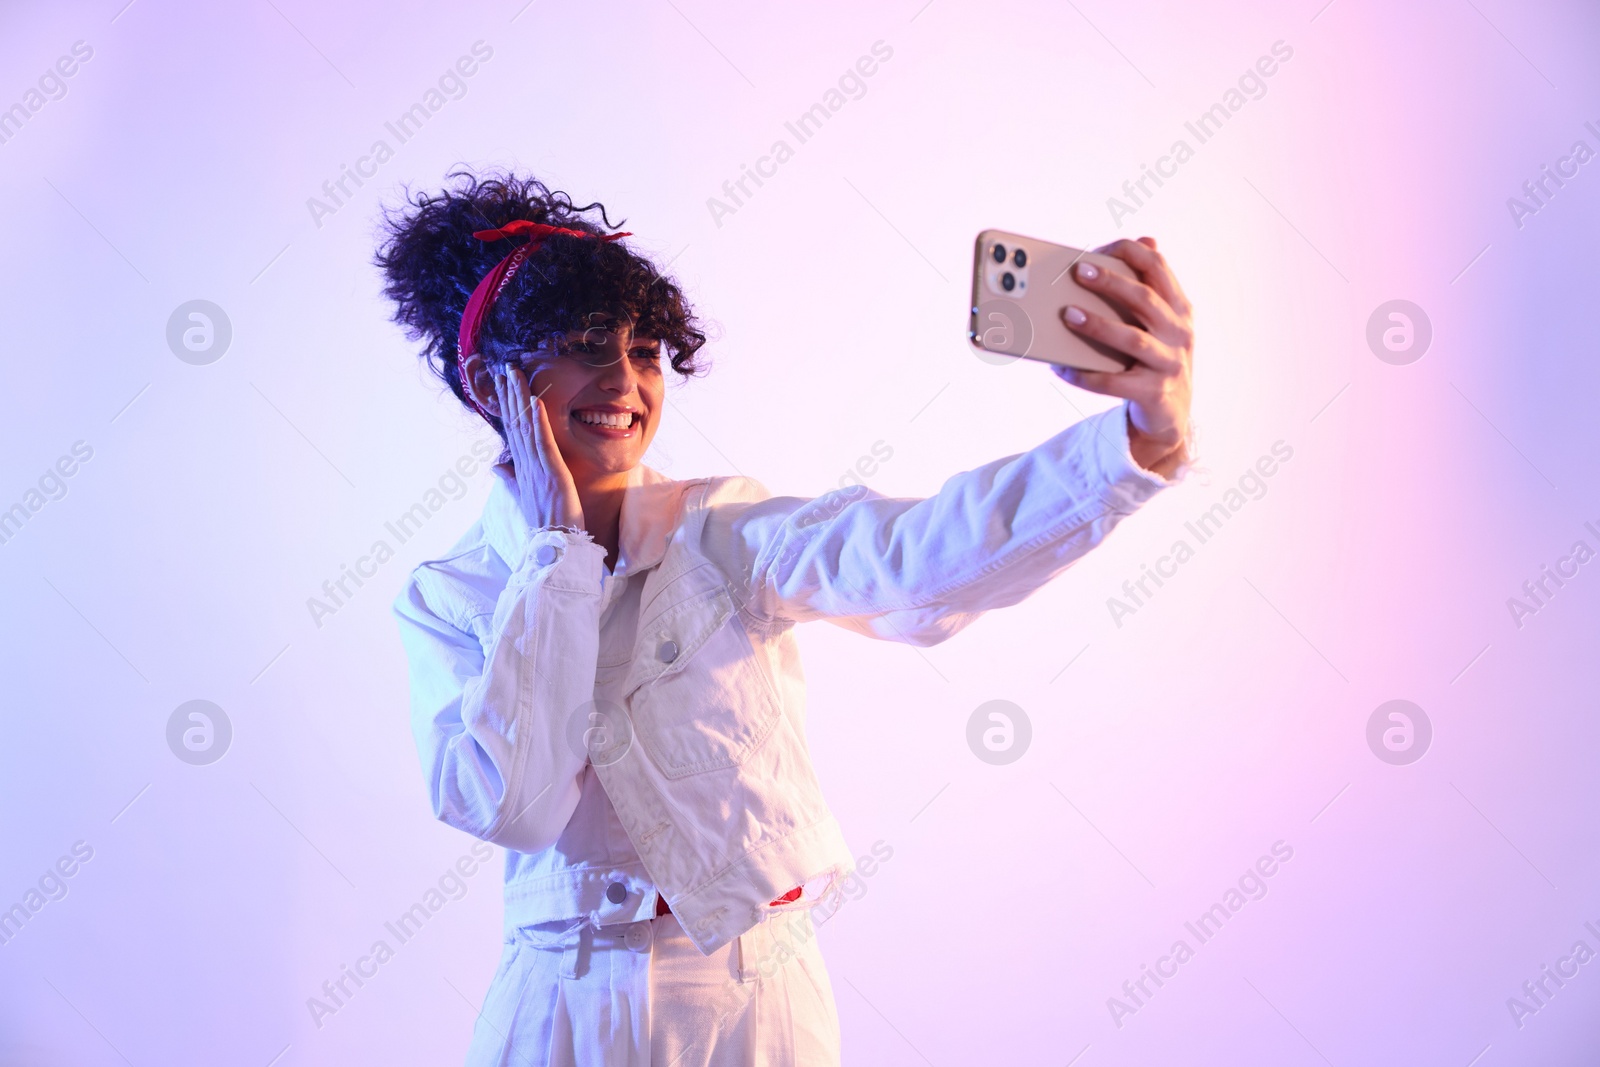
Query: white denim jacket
[708, 769]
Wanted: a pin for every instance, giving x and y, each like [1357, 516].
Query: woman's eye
[651, 354]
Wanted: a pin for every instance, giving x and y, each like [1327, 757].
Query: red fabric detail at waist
[788, 898]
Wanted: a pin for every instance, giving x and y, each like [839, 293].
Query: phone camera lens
[1020, 258]
[1007, 281]
[999, 253]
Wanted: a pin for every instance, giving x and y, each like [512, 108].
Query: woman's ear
[479, 384]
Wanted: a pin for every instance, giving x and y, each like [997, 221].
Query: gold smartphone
[1019, 286]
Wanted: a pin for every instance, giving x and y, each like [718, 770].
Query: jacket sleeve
[919, 570]
[492, 731]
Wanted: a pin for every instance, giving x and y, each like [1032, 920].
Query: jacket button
[545, 555]
[667, 651]
[616, 892]
[637, 936]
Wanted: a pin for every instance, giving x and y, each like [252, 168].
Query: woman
[605, 679]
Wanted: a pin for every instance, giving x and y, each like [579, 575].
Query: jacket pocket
[700, 698]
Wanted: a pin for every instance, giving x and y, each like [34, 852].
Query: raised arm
[494, 695]
[919, 570]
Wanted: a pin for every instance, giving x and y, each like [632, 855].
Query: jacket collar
[650, 511]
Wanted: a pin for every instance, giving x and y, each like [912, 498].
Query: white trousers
[641, 995]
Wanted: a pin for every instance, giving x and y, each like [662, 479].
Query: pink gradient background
[1171, 753]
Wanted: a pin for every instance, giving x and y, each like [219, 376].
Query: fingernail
[1075, 315]
[1088, 270]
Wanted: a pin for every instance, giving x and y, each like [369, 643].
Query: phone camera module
[1005, 270]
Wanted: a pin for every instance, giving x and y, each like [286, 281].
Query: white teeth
[610, 419]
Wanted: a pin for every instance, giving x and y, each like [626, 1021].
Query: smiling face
[603, 396]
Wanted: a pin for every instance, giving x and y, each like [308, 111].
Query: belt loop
[749, 954]
[575, 957]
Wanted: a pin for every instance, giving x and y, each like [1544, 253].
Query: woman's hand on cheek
[548, 494]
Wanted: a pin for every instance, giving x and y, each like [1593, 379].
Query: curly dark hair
[431, 263]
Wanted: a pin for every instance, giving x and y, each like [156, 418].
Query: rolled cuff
[570, 560]
[1128, 485]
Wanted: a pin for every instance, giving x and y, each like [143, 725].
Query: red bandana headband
[483, 297]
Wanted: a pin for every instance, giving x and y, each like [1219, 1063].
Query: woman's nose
[618, 375]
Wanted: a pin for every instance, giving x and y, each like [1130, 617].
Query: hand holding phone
[1112, 321]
